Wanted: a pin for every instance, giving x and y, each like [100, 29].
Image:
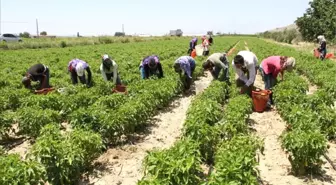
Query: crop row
[207, 133]
[62, 158]
[235, 157]
[309, 118]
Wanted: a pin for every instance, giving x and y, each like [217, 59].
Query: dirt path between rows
[312, 88]
[123, 165]
[274, 165]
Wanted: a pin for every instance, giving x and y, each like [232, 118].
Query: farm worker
[217, 62]
[245, 62]
[210, 40]
[38, 72]
[149, 66]
[205, 44]
[323, 46]
[77, 70]
[271, 67]
[192, 45]
[187, 65]
[109, 69]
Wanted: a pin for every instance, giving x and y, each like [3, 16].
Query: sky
[153, 17]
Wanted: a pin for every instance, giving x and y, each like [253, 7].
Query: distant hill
[289, 27]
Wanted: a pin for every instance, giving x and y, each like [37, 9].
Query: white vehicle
[7, 37]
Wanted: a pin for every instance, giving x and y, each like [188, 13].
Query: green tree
[43, 33]
[319, 19]
[24, 35]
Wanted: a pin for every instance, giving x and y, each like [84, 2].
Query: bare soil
[312, 88]
[123, 165]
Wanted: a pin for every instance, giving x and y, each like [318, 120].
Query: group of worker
[207, 41]
[245, 65]
[77, 69]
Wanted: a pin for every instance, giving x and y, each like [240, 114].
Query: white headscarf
[290, 63]
[321, 38]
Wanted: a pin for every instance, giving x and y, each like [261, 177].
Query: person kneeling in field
[215, 63]
[109, 69]
[245, 62]
[77, 70]
[37, 72]
[271, 67]
[149, 66]
[188, 65]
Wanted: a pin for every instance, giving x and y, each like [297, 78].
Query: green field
[216, 131]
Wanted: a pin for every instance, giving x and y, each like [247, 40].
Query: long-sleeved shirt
[193, 43]
[271, 65]
[145, 65]
[323, 46]
[37, 71]
[113, 69]
[219, 60]
[73, 63]
[250, 63]
[186, 63]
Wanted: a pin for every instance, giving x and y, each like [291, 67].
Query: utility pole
[37, 31]
[123, 28]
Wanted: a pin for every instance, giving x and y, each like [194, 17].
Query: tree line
[319, 19]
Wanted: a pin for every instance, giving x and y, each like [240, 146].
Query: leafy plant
[235, 161]
[166, 167]
[18, 172]
[306, 149]
[65, 157]
[32, 119]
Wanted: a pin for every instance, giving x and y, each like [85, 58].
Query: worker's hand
[243, 89]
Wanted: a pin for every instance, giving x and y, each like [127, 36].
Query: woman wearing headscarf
[323, 46]
[187, 65]
[149, 66]
[109, 70]
[77, 69]
[271, 67]
[192, 45]
[205, 44]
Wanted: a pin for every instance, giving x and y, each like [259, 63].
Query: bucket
[193, 53]
[329, 56]
[260, 99]
[316, 53]
[120, 89]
